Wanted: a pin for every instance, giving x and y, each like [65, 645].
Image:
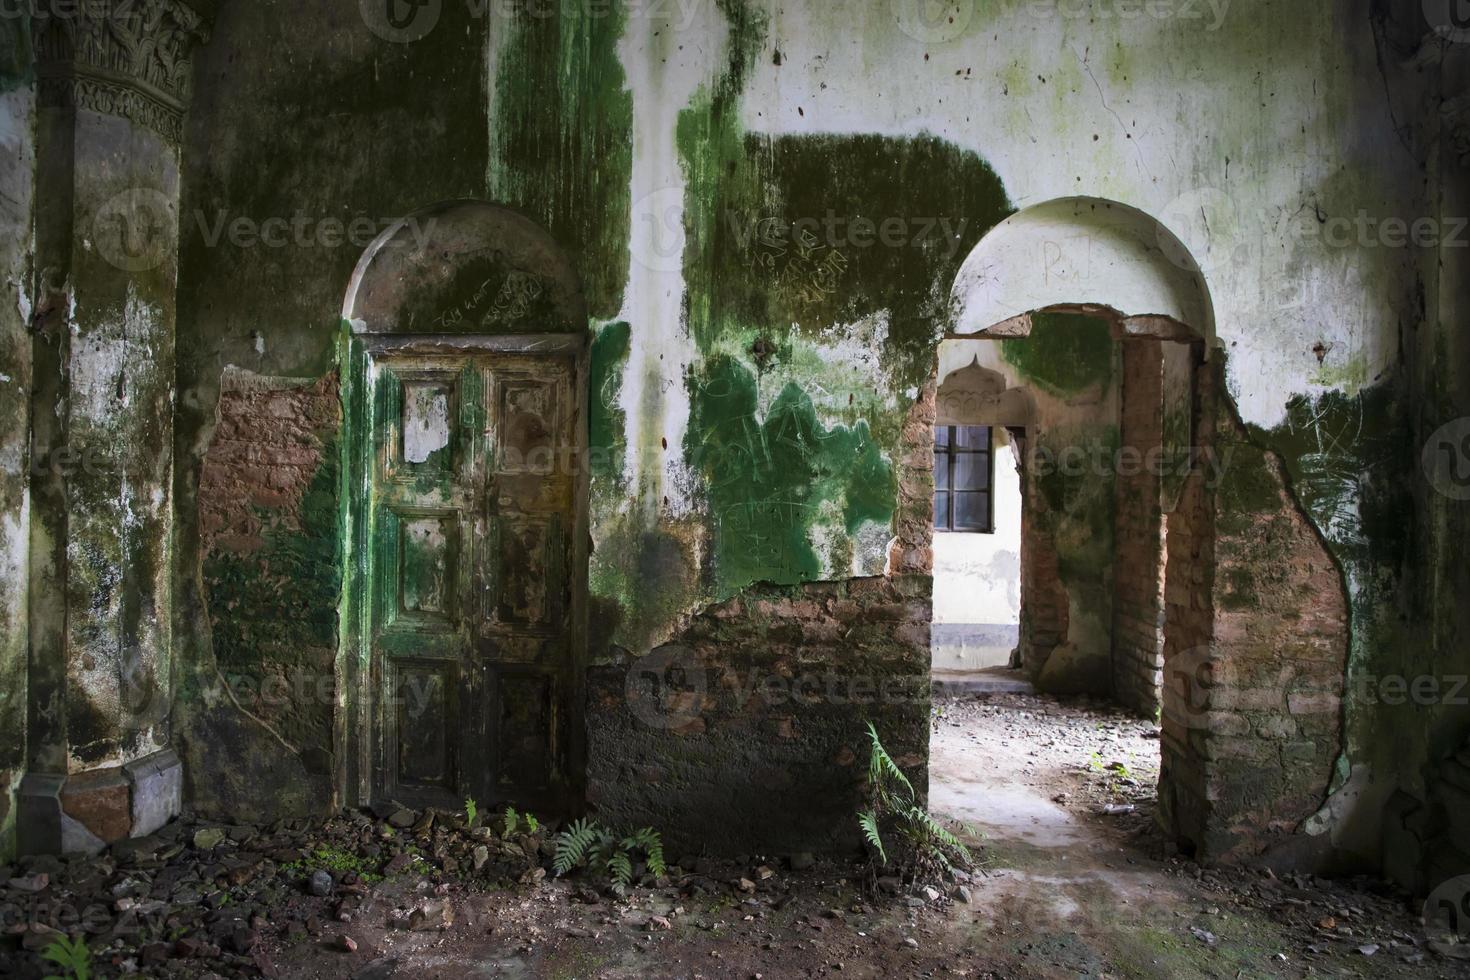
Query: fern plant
[471, 811]
[514, 823]
[72, 955]
[925, 845]
[588, 844]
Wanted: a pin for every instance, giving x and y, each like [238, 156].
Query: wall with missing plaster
[261, 714]
[17, 150]
[767, 207]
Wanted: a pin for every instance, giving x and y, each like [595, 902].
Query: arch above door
[1083, 255]
[465, 267]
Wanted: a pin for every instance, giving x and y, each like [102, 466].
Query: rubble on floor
[402, 893]
[197, 898]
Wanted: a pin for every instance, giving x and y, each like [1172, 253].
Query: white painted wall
[977, 577]
[1234, 123]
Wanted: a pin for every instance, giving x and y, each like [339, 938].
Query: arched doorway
[980, 442]
[464, 359]
[1097, 312]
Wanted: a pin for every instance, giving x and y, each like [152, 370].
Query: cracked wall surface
[767, 207]
[17, 149]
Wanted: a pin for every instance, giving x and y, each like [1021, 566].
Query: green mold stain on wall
[606, 421]
[275, 607]
[15, 54]
[1065, 353]
[823, 230]
[561, 143]
[770, 479]
[1346, 458]
[817, 275]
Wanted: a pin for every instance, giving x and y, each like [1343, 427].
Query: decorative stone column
[113, 81]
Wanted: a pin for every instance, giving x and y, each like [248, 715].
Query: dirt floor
[1057, 797]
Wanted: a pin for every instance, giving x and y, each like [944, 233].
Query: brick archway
[1250, 686]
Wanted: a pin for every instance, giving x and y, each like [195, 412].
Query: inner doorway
[477, 569]
[978, 438]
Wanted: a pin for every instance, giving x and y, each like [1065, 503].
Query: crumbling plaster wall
[733, 354]
[17, 151]
[303, 116]
[1422, 737]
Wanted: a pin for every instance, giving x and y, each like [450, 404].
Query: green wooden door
[476, 576]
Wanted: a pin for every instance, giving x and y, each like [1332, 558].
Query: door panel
[424, 708]
[474, 636]
[525, 597]
[526, 731]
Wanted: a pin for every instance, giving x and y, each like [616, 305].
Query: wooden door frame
[354, 735]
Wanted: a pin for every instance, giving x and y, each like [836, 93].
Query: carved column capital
[128, 58]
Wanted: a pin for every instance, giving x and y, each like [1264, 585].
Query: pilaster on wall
[17, 200]
[112, 83]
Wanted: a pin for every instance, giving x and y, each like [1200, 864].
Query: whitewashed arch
[1083, 255]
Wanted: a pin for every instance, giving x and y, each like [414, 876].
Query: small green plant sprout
[587, 844]
[471, 811]
[72, 955]
[532, 824]
[922, 845]
[511, 820]
[1116, 772]
[337, 860]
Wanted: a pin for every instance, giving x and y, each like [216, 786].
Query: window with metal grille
[962, 479]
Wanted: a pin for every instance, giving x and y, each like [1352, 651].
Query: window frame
[947, 454]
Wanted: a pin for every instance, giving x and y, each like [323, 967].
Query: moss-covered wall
[767, 208]
[302, 113]
[17, 150]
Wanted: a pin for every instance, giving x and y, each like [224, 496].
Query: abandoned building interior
[712, 487]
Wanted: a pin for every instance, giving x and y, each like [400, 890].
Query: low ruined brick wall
[747, 733]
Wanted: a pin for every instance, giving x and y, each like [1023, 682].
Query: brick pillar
[1138, 602]
[1255, 650]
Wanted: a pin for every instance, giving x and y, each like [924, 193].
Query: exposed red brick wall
[913, 546]
[266, 450]
[1188, 630]
[1138, 600]
[1281, 637]
[1045, 609]
[748, 731]
[256, 712]
[1256, 643]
